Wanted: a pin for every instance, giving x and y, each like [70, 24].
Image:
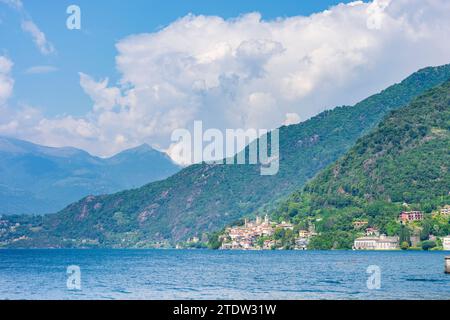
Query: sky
[138, 70]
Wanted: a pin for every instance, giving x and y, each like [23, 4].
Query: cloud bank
[248, 73]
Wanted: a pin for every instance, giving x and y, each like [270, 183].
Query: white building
[446, 243]
[301, 244]
[446, 210]
[376, 243]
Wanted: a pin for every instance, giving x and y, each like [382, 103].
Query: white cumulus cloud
[247, 72]
[104, 97]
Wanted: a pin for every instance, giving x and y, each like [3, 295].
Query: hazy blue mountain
[37, 179]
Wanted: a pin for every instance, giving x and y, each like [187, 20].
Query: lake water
[204, 274]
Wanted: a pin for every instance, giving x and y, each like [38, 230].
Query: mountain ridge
[203, 198]
[37, 179]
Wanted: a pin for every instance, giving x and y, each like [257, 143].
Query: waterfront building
[387, 243]
[365, 243]
[269, 244]
[226, 245]
[382, 242]
[446, 243]
[301, 243]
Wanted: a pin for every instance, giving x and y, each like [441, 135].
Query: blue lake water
[204, 274]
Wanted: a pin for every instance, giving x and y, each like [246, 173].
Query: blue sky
[91, 49]
[138, 70]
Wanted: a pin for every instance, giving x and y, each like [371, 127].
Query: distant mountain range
[35, 179]
[203, 198]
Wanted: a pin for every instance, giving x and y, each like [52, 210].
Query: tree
[405, 235]
[404, 245]
[428, 244]
[213, 240]
[426, 230]
[279, 233]
[392, 228]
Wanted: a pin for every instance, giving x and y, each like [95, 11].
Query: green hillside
[404, 160]
[203, 198]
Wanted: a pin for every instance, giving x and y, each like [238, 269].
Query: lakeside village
[263, 234]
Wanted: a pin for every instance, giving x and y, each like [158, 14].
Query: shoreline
[216, 250]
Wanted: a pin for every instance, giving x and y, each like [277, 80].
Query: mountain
[35, 179]
[404, 160]
[202, 197]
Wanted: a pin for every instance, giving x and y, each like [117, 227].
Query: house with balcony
[409, 216]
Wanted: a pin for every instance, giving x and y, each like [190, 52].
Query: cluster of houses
[408, 216]
[258, 234]
[6, 226]
[373, 240]
[302, 241]
[247, 237]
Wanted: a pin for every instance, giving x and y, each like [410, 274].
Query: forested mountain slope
[203, 197]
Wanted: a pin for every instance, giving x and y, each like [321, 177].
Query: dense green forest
[402, 165]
